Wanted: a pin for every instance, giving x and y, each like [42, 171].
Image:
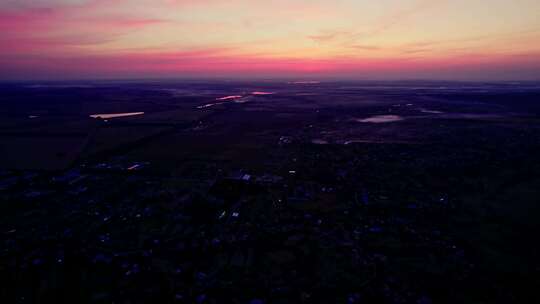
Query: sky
[350, 39]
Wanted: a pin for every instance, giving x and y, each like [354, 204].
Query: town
[258, 202]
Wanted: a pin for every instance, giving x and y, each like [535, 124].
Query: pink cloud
[214, 62]
[49, 26]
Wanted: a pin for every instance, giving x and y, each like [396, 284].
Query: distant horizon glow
[248, 39]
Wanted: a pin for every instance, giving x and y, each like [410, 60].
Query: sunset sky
[356, 39]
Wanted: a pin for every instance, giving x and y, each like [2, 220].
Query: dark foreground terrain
[272, 192]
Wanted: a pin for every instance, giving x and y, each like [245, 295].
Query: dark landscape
[269, 192]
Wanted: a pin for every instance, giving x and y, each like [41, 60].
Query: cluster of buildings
[117, 234]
